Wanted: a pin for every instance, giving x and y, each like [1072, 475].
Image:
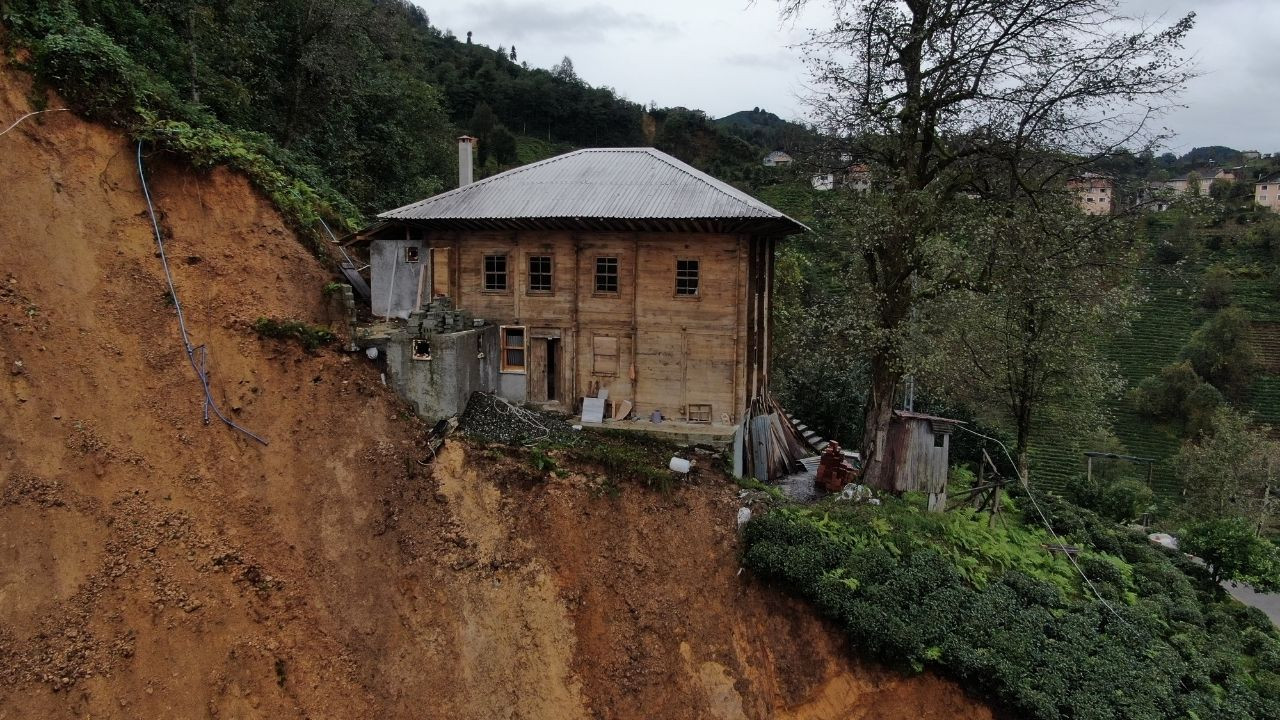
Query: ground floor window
[513, 348]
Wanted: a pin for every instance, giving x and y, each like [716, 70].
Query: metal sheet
[596, 183]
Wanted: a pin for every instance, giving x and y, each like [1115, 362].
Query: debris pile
[489, 417]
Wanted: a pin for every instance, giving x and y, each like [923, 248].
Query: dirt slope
[151, 566]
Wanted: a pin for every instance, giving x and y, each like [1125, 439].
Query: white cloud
[728, 55]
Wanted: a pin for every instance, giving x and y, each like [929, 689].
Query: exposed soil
[153, 566]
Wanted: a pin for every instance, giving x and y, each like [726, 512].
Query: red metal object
[833, 471]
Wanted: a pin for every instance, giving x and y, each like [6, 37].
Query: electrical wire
[191, 350]
[1047, 525]
[24, 117]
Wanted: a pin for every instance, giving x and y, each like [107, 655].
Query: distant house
[618, 271]
[777, 158]
[1095, 194]
[823, 181]
[1266, 192]
[855, 177]
[1197, 181]
[858, 177]
[1251, 155]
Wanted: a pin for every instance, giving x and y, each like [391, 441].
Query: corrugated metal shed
[624, 188]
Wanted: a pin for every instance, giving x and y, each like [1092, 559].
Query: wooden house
[618, 269]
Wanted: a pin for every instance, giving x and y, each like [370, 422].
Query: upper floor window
[495, 273]
[540, 273]
[411, 254]
[687, 278]
[607, 275]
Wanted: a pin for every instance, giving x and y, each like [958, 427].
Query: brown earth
[152, 566]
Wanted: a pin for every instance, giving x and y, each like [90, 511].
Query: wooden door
[536, 378]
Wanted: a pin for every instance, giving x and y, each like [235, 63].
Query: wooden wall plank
[704, 343]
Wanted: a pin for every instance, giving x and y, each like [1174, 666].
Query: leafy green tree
[1233, 550]
[564, 70]
[1230, 471]
[1180, 396]
[1217, 288]
[503, 145]
[1028, 345]
[1221, 352]
[942, 97]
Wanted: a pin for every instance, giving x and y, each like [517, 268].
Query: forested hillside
[358, 99]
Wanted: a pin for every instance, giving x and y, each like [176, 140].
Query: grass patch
[623, 456]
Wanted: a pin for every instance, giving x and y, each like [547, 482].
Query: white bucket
[680, 465]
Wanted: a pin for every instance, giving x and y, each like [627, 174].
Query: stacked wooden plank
[769, 445]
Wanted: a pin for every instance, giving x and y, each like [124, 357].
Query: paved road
[1268, 603]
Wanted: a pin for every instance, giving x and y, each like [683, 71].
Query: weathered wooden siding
[919, 464]
[672, 351]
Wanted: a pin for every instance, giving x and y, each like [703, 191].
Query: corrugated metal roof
[596, 183]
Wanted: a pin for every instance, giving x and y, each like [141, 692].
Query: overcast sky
[727, 55]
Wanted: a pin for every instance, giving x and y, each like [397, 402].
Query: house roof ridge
[482, 181]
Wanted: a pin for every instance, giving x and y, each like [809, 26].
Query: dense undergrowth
[102, 80]
[993, 607]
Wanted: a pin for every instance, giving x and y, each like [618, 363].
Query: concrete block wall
[461, 363]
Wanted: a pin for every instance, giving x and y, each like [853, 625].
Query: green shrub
[1178, 395]
[1123, 499]
[1234, 551]
[312, 337]
[1217, 288]
[902, 585]
[1221, 352]
[96, 75]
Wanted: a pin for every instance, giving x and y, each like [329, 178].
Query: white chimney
[465, 144]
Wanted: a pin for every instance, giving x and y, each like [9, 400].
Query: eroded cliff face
[153, 566]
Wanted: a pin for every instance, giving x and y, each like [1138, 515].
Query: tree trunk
[875, 434]
[1024, 439]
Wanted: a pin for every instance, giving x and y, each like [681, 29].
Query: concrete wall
[395, 283]
[1267, 194]
[512, 386]
[440, 387]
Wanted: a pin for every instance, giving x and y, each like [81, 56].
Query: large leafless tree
[999, 99]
